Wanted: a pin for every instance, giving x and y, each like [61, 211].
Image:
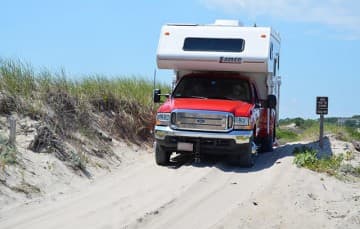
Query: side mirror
[271, 101]
[156, 95]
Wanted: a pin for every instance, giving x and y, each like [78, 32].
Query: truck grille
[201, 120]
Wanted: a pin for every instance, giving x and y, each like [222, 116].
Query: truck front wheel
[245, 155]
[162, 157]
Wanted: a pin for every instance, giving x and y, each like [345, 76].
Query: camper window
[213, 44]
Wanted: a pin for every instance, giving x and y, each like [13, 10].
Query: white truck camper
[218, 51]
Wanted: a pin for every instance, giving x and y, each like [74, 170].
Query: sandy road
[272, 194]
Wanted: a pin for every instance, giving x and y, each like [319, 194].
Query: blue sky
[320, 49]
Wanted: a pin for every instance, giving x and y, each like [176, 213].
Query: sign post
[322, 105]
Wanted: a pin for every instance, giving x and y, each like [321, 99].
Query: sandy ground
[211, 194]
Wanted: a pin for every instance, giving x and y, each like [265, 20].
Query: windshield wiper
[198, 97]
[223, 97]
[192, 96]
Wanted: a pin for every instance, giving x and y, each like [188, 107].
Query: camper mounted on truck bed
[226, 98]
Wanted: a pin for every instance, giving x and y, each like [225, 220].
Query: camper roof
[225, 45]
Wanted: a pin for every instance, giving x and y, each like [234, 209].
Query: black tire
[245, 156]
[266, 144]
[161, 157]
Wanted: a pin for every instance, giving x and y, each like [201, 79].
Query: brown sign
[322, 105]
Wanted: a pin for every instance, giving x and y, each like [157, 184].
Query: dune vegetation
[65, 107]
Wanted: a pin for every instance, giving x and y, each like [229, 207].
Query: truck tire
[266, 144]
[161, 157]
[245, 156]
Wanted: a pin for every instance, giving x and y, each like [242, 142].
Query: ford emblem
[200, 121]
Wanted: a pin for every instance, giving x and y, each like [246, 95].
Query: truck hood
[238, 108]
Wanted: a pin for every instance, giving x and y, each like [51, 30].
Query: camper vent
[228, 23]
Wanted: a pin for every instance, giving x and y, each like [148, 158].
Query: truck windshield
[213, 88]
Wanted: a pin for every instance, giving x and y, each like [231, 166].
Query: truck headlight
[230, 121]
[242, 123]
[163, 119]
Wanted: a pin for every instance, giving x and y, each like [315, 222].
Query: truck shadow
[262, 161]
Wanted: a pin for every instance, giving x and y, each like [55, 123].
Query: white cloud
[340, 15]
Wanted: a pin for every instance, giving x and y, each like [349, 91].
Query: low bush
[308, 158]
[305, 156]
[7, 153]
[309, 130]
[286, 135]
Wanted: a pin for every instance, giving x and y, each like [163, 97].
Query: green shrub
[357, 171]
[349, 169]
[7, 155]
[286, 135]
[304, 123]
[308, 129]
[354, 134]
[307, 157]
[349, 156]
[329, 165]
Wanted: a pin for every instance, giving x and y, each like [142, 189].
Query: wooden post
[12, 134]
[321, 141]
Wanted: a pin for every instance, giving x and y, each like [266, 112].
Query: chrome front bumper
[239, 136]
